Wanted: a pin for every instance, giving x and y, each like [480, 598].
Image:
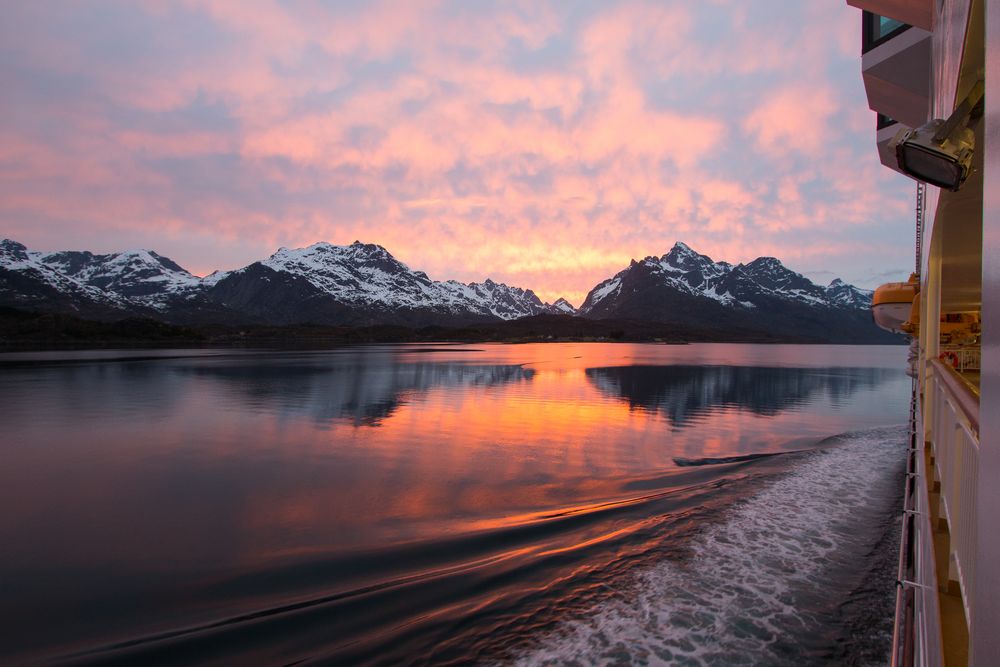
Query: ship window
[882, 121]
[876, 29]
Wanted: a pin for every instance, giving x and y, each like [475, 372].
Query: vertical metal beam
[921, 208]
[930, 326]
[985, 640]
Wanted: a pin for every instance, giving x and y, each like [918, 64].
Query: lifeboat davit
[892, 302]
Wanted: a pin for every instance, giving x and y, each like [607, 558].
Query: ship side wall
[985, 648]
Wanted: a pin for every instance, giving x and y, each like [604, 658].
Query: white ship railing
[927, 616]
[916, 637]
[960, 357]
[954, 440]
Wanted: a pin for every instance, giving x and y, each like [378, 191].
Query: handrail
[965, 396]
[916, 637]
[902, 630]
[953, 434]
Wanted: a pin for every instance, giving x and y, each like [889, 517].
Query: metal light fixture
[940, 152]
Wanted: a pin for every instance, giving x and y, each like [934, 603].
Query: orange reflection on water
[143, 480]
[352, 449]
[471, 456]
[357, 447]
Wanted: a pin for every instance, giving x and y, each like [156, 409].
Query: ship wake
[780, 580]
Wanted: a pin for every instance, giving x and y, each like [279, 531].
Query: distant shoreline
[32, 330]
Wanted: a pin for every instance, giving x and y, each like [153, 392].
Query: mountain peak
[361, 244]
[318, 246]
[325, 247]
[17, 250]
[563, 306]
[681, 250]
[769, 262]
[367, 276]
[771, 274]
[370, 250]
[362, 283]
[682, 257]
[683, 273]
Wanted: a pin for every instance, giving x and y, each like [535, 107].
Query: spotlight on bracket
[940, 152]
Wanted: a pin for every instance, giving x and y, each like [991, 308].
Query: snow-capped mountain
[363, 284]
[686, 288]
[562, 307]
[367, 274]
[140, 277]
[839, 293]
[27, 280]
[366, 278]
[743, 286]
[322, 283]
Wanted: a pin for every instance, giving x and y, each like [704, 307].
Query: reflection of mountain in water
[366, 392]
[685, 393]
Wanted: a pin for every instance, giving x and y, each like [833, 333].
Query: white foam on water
[745, 594]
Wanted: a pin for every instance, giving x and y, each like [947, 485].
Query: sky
[540, 144]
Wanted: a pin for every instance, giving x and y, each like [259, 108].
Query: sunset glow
[539, 144]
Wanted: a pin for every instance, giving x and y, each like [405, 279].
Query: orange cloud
[542, 144]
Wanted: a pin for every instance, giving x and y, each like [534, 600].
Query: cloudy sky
[539, 144]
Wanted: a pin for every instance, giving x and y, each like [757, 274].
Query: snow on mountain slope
[562, 307]
[16, 258]
[365, 279]
[360, 275]
[140, 276]
[742, 286]
[682, 269]
[366, 274]
[848, 296]
[503, 301]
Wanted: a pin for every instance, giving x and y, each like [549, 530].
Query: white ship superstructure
[931, 70]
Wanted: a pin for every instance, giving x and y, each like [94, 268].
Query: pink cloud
[416, 126]
[793, 119]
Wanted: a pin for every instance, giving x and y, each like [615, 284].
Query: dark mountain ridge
[363, 285]
[690, 289]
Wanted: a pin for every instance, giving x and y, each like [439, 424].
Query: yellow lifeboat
[892, 302]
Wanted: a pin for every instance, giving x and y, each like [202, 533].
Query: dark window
[877, 30]
[882, 121]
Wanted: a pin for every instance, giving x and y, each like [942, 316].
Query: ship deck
[954, 629]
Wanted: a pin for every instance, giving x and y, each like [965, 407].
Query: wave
[436, 601]
[740, 561]
[765, 586]
[711, 461]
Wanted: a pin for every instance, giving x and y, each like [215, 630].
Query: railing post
[955, 509]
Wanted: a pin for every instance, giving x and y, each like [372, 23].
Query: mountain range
[687, 288]
[363, 284]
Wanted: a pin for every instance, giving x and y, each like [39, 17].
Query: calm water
[447, 504]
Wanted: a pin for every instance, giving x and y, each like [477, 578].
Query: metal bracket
[961, 112]
[912, 584]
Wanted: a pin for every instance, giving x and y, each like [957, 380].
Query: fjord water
[700, 504]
